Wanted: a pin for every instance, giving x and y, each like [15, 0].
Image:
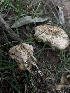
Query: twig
[11, 33]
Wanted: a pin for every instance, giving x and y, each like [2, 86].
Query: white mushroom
[54, 35]
[23, 55]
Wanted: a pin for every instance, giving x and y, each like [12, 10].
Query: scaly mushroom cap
[54, 35]
[23, 55]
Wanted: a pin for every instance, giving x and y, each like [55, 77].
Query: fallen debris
[7, 28]
[54, 35]
[64, 82]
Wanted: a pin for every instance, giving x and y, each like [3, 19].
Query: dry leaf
[54, 35]
[64, 10]
[64, 82]
[23, 55]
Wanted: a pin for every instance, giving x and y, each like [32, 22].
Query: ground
[52, 62]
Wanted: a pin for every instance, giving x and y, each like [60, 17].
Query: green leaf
[2, 1]
[68, 60]
[1, 54]
[28, 20]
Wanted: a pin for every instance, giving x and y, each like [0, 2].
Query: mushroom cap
[22, 54]
[54, 35]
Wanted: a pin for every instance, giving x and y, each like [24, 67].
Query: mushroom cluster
[23, 53]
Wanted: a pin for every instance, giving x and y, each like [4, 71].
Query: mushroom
[23, 55]
[54, 35]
